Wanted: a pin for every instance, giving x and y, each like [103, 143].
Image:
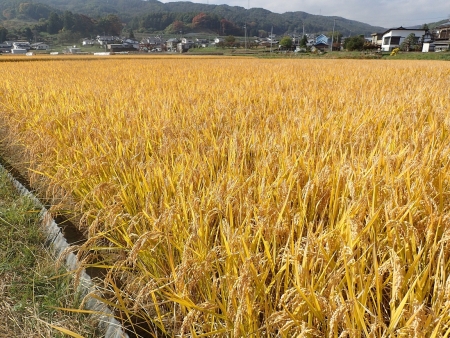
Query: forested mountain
[155, 16]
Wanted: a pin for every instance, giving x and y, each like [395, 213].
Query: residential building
[88, 42]
[394, 37]
[39, 46]
[377, 39]
[171, 44]
[104, 40]
[321, 43]
[442, 37]
[22, 45]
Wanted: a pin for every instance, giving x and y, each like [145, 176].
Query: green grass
[420, 56]
[31, 287]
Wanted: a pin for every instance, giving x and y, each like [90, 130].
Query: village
[425, 40]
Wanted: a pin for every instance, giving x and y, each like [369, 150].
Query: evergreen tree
[304, 41]
[54, 24]
[3, 33]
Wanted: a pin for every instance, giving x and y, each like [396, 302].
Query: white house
[39, 46]
[22, 45]
[171, 44]
[394, 37]
[88, 42]
[106, 39]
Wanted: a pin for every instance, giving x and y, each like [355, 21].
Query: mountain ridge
[137, 15]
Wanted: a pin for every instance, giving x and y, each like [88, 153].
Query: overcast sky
[384, 13]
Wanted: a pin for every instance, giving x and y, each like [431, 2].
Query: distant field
[235, 197]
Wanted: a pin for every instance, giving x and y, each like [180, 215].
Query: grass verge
[31, 287]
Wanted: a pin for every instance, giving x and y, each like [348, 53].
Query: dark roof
[403, 28]
[444, 25]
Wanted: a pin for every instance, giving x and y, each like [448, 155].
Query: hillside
[153, 15]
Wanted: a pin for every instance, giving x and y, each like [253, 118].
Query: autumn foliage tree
[203, 20]
[229, 28]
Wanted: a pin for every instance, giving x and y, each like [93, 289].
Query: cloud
[382, 13]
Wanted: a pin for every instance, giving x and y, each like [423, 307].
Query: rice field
[237, 197]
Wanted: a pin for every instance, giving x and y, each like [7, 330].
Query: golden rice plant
[245, 197]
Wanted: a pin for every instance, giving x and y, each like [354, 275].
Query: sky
[384, 13]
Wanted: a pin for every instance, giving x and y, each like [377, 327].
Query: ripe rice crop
[245, 197]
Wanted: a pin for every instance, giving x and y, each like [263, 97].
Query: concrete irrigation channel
[58, 241]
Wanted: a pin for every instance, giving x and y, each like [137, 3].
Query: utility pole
[245, 41]
[271, 39]
[332, 36]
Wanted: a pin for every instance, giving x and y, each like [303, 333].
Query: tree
[68, 21]
[131, 35]
[410, 43]
[110, 24]
[262, 33]
[337, 36]
[286, 42]
[66, 37]
[230, 40]
[54, 23]
[354, 43]
[175, 27]
[203, 20]
[229, 28]
[3, 33]
[304, 41]
[28, 33]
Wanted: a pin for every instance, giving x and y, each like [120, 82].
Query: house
[321, 43]
[73, 50]
[131, 43]
[39, 46]
[202, 42]
[321, 39]
[394, 37]
[182, 48]
[377, 39]
[185, 45]
[88, 42]
[320, 46]
[442, 37]
[103, 40]
[171, 44]
[150, 44]
[22, 45]
[5, 47]
[218, 40]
